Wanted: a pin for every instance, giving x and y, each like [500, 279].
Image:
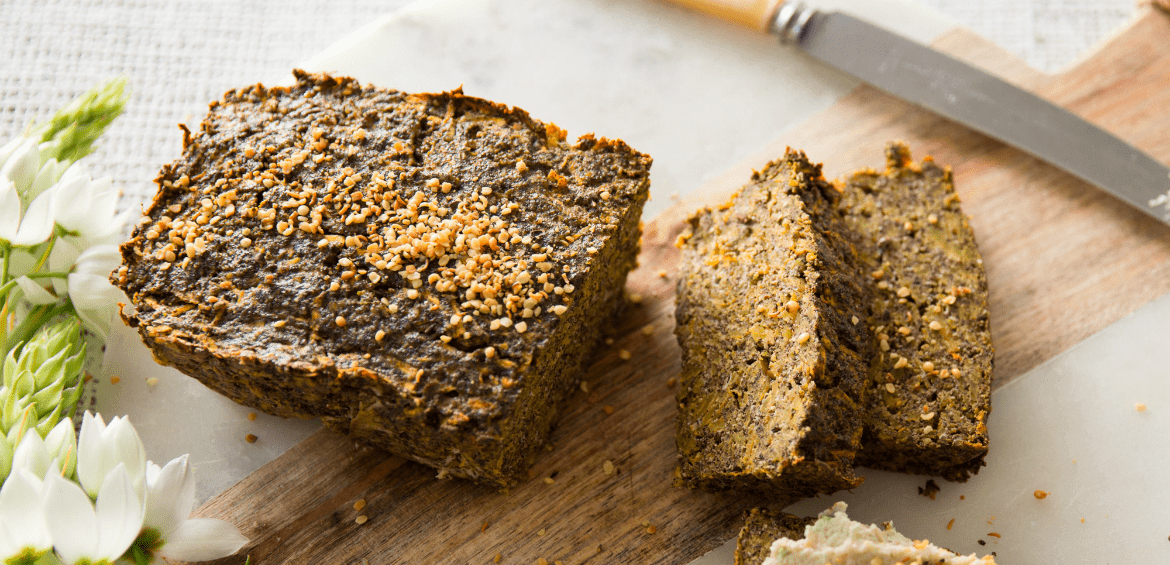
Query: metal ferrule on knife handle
[790, 21]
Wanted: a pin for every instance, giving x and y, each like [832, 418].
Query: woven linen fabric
[181, 55]
[1047, 34]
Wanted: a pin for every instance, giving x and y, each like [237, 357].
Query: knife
[961, 93]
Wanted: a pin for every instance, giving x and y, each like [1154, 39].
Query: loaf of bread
[761, 527]
[932, 371]
[770, 310]
[424, 272]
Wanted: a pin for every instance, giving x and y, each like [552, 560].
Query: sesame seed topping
[890, 388]
[379, 336]
[928, 366]
[803, 338]
[903, 292]
[340, 321]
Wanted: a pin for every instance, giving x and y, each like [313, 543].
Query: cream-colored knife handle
[756, 14]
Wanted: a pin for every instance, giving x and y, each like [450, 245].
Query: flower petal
[203, 539]
[37, 224]
[61, 443]
[34, 293]
[73, 526]
[22, 165]
[9, 209]
[93, 291]
[99, 260]
[170, 495]
[21, 514]
[31, 454]
[90, 472]
[119, 514]
[45, 178]
[123, 443]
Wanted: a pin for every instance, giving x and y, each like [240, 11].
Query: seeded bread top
[346, 228]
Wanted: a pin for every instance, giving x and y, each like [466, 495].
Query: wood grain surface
[1063, 261]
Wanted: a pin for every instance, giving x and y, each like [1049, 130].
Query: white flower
[94, 298]
[24, 227]
[88, 207]
[102, 448]
[31, 454]
[81, 532]
[23, 530]
[169, 499]
[22, 164]
[34, 293]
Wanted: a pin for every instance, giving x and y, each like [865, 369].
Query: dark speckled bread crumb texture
[824, 327]
[425, 272]
[773, 384]
[933, 371]
[762, 527]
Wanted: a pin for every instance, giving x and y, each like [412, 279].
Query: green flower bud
[41, 385]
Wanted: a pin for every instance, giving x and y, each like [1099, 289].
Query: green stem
[5, 250]
[8, 286]
[28, 326]
[48, 250]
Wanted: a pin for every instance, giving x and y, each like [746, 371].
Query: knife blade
[962, 93]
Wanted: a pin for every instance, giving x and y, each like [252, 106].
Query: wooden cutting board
[1063, 261]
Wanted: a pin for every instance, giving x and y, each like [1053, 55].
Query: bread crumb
[541, 533]
[651, 529]
[607, 409]
[361, 503]
[671, 382]
[549, 480]
[950, 524]
[497, 558]
[608, 467]
[361, 519]
[115, 379]
[994, 535]
[1040, 495]
[151, 381]
[251, 416]
[1140, 407]
[624, 355]
[930, 490]
[648, 329]
[250, 438]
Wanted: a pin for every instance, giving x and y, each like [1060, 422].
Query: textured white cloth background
[181, 55]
